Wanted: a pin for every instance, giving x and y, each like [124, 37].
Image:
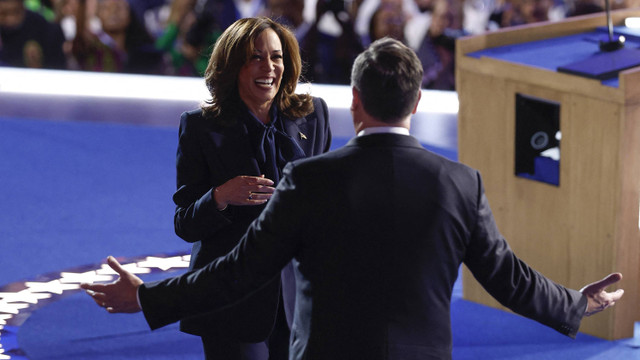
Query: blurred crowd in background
[175, 37]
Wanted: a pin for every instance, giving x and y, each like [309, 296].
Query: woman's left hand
[244, 190]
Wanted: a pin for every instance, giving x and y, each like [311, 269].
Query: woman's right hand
[244, 190]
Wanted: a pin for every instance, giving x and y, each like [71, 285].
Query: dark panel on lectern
[604, 65]
[537, 140]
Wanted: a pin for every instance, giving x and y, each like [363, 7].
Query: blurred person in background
[583, 7]
[226, 12]
[201, 35]
[388, 20]
[519, 12]
[624, 4]
[150, 12]
[185, 41]
[329, 55]
[415, 14]
[122, 44]
[197, 26]
[437, 50]
[230, 157]
[533, 11]
[42, 7]
[289, 13]
[27, 39]
[65, 14]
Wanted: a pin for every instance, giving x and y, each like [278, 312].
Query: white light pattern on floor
[163, 264]
[23, 296]
[19, 300]
[85, 277]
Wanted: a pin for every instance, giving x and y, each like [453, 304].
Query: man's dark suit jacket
[209, 154]
[377, 231]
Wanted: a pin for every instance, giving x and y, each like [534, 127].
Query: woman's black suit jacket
[209, 154]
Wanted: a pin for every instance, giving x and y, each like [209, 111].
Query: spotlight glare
[632, 22]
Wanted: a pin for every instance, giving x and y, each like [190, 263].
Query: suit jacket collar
[384, 139]
[235, 151]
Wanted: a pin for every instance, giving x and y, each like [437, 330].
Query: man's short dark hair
[388, 76]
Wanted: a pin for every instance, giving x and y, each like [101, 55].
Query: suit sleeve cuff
[575, 317]
[138, 297]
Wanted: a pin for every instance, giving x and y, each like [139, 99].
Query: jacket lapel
[234, 151]
[297, 129]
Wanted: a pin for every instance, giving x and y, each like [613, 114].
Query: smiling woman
[259, 79]
[231, 153]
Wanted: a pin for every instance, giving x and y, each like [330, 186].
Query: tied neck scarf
[273, 147]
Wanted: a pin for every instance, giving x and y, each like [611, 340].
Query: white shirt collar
[384, 130]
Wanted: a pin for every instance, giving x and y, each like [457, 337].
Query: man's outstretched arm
[120, 296]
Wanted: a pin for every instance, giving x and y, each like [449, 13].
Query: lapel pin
[303, 136]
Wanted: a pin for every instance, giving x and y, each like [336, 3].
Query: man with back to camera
[377, 231]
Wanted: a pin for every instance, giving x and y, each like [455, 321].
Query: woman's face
[259, 79]
[113, 15]
[11, 14]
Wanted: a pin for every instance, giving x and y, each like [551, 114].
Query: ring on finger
[250, 196]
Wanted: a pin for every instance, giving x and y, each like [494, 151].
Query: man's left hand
[597, 298]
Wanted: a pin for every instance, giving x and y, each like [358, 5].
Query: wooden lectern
[587, 225]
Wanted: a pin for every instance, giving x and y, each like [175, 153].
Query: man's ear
[415, 108]
[355, 101]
